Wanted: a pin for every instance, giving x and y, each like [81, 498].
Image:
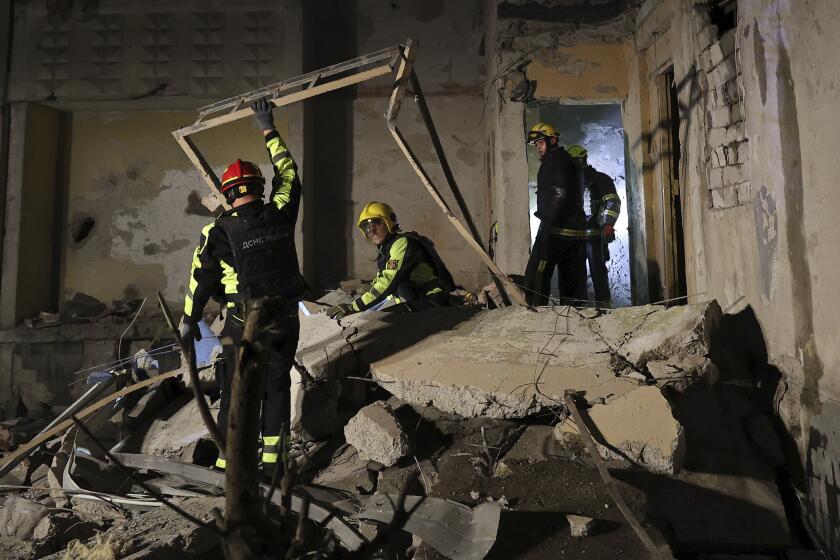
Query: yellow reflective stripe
[385, 276]
[611, 213]
[270, 457]
[422, 274]
[229, 278]
[271, 440]
[196, 264]
[286, 170]
[568, 232]
[188, 305]
[607, 197]
[542, 265]
[221, 463]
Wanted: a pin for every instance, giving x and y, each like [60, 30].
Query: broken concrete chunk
[681, 373]
[580, 525]
[19, 516]
[58, 529]
[537, 443]
[167, 437]
[645, 333]
[638, 426]
[377, 435]
[347, 471]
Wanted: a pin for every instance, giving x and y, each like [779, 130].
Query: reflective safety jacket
[559, 195]
[604, 203]
[249, 251]
[409, 269]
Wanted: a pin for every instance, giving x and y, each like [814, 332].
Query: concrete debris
[514, 363]
[651, 332]
[174, 430]
[681, 373]
[20, 430]
[377, 435]
[638, 426]
[580, 525]
[453, 529]
[82, 306]
[56, 530]
[19, 517]
[162, 533]
[537, 443]
[347, 471]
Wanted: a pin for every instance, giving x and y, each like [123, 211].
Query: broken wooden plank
[400, 85]
[25, 450]
[609, 483]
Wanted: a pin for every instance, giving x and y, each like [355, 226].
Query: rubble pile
[462, 408]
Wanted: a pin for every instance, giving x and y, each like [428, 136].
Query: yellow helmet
[541, 131]
[373, 210]
[577, 151]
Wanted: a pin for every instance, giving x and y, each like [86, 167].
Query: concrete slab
[512, 362]
[638, 426]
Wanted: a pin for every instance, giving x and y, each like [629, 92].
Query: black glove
[262, 113]
[188, 329]
[340, 311]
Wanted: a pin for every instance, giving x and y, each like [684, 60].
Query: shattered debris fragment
[580, 525]
[377, 435]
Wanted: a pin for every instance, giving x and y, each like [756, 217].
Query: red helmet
[241, 173]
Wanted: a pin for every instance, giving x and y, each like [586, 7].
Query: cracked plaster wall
[129, 175]
[450, 66]
[777, 247]
[572, 59]
[127, 75]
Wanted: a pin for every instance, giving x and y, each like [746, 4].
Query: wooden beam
[397, 95]
[288, 99]
[203, 168]
[58, 428]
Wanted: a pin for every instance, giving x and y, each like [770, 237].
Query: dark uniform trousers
[552, 251]
[276, 405]
[597, 254]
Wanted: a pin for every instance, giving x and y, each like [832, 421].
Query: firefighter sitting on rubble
[248, 253]
[410, 269]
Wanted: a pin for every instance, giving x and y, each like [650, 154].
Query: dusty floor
[535, 526]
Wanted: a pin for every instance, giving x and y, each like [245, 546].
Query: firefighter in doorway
[560, 210]
[604, 208]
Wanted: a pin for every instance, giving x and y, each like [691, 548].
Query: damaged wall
[768, 235]
[121, 72]
[370, 166]
[575, 53]
[128, 175]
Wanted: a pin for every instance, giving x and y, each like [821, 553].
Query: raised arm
[286, 188]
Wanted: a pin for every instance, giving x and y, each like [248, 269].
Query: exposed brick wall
[727, 145]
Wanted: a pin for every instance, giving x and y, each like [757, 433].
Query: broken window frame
[331, 78]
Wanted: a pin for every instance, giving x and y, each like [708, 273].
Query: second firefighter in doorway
[249, 252]
[560, 210]
[604, 208]
[410, 270]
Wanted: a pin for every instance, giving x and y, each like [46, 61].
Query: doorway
[671, 287]
[599, 129]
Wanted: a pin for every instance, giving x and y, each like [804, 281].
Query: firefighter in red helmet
[246, 253]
